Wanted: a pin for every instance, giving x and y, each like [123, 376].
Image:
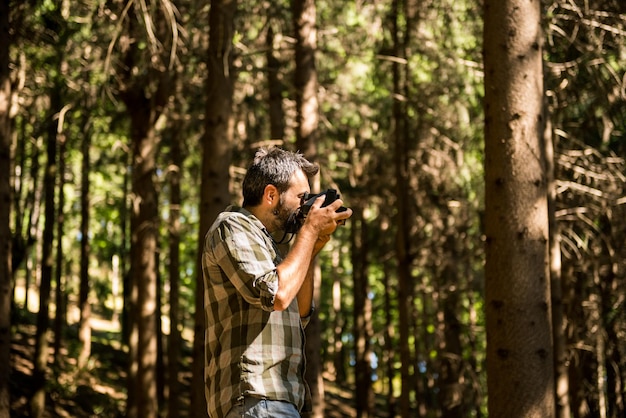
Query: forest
[480, 144]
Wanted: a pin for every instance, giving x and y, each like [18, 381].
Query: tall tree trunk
[451, 364]
[174, 345]
[561, 378]
[338, 352]
[520, 377]
[5, 213]
[145, 88]
[405, 287]
[307, 120]
[59, 295]
[84, 323]
[362, 325]
[38, 399]
[275, 88]
[216, 159]
[389, 356]
[144, 241]
[33, 227]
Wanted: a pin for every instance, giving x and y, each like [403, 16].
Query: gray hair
[273, 166]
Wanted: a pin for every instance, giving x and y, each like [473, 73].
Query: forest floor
[100, 390]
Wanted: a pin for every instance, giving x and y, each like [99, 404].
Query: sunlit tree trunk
[520, 377]
[216, 159]
[145, 88]
[5, 213]
[144, 242]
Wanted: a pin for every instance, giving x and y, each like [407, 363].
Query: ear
[270, 195]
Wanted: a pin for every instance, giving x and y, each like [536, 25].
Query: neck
[265, 216]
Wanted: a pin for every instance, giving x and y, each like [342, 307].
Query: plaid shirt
[250, 349]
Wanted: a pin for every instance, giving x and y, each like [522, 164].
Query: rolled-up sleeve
[248, 258]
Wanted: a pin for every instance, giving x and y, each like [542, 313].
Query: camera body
[297, 220]
[308, 199]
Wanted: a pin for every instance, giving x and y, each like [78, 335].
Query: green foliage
[441, 90]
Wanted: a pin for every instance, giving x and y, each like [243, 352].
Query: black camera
[297, 220]
[308, 199]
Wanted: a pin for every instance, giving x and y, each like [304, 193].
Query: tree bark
[59, 296]
[38, 399]
[520, 374]
[403, 253]
[561, 378]
[5, 213]
[144, 242]
[275, 88]
[174, 345]
[307, 120]
[362, 312]
[84, 325]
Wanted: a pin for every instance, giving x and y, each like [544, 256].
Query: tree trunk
[216, 159]
[561, 380]
[405, 287]
[5, 213]
[389, 356]
[275, 89]
[520, 374]
[451, 363]
[174, 345]
[144, 239]
[38, 399]
[145, 87]
[59, 295]
[307, 120]
[84, 324]
[362, 325]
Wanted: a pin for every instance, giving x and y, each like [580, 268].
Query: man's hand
[324, 220]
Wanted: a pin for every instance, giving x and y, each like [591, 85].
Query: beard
[283, 215]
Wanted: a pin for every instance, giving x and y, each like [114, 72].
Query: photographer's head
[273, 166]
[274, 185]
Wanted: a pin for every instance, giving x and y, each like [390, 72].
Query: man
[256, 301]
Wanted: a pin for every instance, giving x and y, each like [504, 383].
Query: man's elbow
[281, 303]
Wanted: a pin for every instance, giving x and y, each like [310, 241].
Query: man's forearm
[305, 295]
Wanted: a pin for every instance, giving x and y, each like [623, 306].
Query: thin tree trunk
[174, 344]
[33, 228]
[561, 378]
[520, 373]
[275, 89]
[389, 351]
[405, 287]
[5, 213]
[362, 325]
[59, 296]
[338, 360]
[38, 399]
[84, 325]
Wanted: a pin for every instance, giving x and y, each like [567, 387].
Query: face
[290, 200]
